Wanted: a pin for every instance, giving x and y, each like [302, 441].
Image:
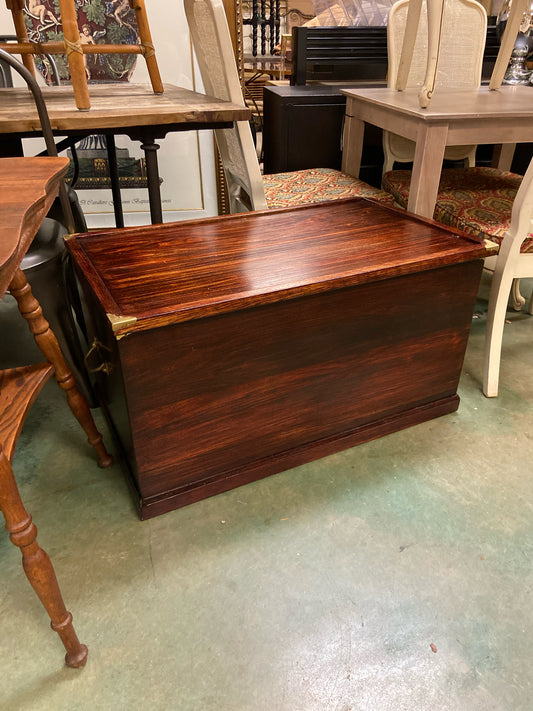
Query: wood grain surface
[115, 106]
[28, 186]
[261, 341]
[180, 271]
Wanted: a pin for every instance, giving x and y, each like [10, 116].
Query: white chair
[247, 188]
[463, 36]
[514, 260]
[436, 12]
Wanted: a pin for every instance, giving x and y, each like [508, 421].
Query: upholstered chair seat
[317, 185]
[476, 200]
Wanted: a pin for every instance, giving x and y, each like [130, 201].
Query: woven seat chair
[247, 188]
[460, 64]
[463, 37]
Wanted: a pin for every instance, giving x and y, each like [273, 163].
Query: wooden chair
[28, 188]
[463, 37]
[247, 188]
[76, 50]
[436, 19]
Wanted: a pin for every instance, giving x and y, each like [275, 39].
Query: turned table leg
[37, 564]
[30, 308]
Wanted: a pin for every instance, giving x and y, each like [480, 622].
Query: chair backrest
[463, 40]
[214, 51]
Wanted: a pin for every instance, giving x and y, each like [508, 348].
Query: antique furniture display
[239, 346]
[29, 186]
[453, 118]
[76, 45]
[247, 188]
[178, 109]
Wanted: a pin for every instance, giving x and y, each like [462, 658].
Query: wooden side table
[28, 187]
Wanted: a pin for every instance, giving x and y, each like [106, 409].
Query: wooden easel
[75, 50]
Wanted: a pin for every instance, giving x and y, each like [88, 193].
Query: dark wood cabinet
[303, 129]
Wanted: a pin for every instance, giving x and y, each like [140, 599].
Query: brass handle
[97, 355]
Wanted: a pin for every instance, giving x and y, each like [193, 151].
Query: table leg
[429, 152]
[31, 310]
[352, 142]
[502, 157]
[115, 182]
[37, 564]
[150, 148]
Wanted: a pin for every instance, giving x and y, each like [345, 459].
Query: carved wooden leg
[74, 50]
[147, 45]
[30, 308]
[37, 564]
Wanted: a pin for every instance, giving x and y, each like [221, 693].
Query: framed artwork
[186, 160]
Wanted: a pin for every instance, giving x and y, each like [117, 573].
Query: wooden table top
[28, 187]
[117, 105]
[146, 277]
[509, 102]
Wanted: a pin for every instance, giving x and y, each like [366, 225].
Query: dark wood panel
[221, 393]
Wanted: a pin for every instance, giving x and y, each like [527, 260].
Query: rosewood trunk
[241, 346]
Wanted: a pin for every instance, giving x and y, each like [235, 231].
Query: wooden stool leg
[17, 11]
[147, 45]
[30, 308]
[37, 564]
[74, 51]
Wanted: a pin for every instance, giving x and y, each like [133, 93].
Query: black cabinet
[302, 128]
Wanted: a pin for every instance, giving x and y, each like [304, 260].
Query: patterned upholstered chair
[495, 205]
[247, 188]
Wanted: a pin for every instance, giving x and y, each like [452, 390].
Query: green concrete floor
[319, 589]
